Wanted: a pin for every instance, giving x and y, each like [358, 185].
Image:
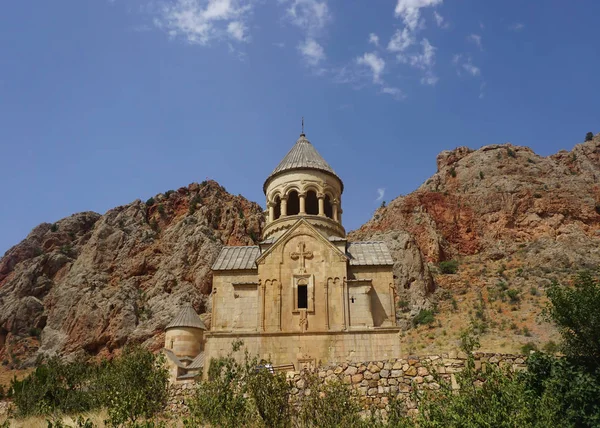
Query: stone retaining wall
[376, 380]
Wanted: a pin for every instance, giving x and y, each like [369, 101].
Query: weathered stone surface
[412, 371]
[351, 370]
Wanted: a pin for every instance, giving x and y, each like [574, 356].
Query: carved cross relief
[302, 255]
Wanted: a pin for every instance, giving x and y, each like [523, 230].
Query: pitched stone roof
[198, 362]
[302, 155]
[369, 254]
[237, 258]
[187, 318]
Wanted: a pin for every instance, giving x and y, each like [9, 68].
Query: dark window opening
[293, 204]
[328, 207]
[302, 296]
[312, 203]
[277, 211]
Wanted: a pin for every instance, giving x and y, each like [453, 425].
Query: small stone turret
[185, 334]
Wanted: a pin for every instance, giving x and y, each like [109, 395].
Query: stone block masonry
[375, 381]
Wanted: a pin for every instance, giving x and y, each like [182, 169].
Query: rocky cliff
[93, 282]
[513, 221]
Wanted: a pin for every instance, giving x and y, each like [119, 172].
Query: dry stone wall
[375, 381]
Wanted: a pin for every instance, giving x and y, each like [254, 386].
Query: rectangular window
[302, 296]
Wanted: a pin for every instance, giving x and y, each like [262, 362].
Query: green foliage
[56, 387]
[448, 267]
[150, 202]
[382, 204]
[528, 347]
[169, 193]
[551, 347]
[589, 136]
[161, 209]
[511, 153]
[453, 172]
[481, 176]
[240, 393]
[575, 312]
[131, 387]
[54, 227]
[569, 387]
[134, 385]
[67, 250]
[424, 317]
[35, 332]
[513, 295]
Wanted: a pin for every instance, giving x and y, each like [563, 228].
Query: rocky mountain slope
[90, 283]
[514, 221]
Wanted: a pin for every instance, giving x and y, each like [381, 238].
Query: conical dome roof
[187, 318]
[302, 155]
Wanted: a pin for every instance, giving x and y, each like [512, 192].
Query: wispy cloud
[464, 63]
[409, 11]
[516, 27]
[312, 51]
[401, 40]
[311, 16]
[202, 21]
[374, 39]
[476, 40]
[424, 60]
[374, 62]
[439, 20]
[380, 194]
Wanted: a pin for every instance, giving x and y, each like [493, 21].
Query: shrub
[193, 204]
[575, 312]
[134, 385]
[513, 295]
[54, 227]
[169, 193]
[150, 202]
[161, 209]
[453, 172]
[589, 136]
[481, 176]
[424, 317]
[511, 153]
[551, 347]
[448, 267]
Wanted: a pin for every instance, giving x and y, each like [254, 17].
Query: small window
[302, 296]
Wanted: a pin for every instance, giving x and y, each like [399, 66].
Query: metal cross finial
[302, 125]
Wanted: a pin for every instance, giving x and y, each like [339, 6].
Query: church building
[304, 296]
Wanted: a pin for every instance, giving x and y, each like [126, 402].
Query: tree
[589, 136]
[575, 311]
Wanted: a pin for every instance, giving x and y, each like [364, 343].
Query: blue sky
[103, 102]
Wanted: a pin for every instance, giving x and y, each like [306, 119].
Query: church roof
[369, 254]
[302, 155]
[237, 258]
[187, 318]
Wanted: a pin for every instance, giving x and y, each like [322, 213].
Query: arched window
[277, 210]
[328, 207]
[293, 204]
[312, 203]
[302, 294]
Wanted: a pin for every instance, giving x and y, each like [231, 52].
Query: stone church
[304, 296]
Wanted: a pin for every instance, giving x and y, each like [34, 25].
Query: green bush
[424, 317]
[453, 172]
[589, 136]
[513, 295]
[448, 267]
[150, 202]
[54, 227]
[131, 387]
[169, 193]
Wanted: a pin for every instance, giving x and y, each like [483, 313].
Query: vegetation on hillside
[554, 391]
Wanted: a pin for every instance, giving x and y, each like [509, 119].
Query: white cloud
[471, 69]
[310, 15]
[312, 51]
[481, 90]
[476, 40]
[202, 21]
[237, 30]
[516, 27]
[380, 194]
[409, 11]
[439, 20]
[374, 62]
[374, 39]
[401, 40]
